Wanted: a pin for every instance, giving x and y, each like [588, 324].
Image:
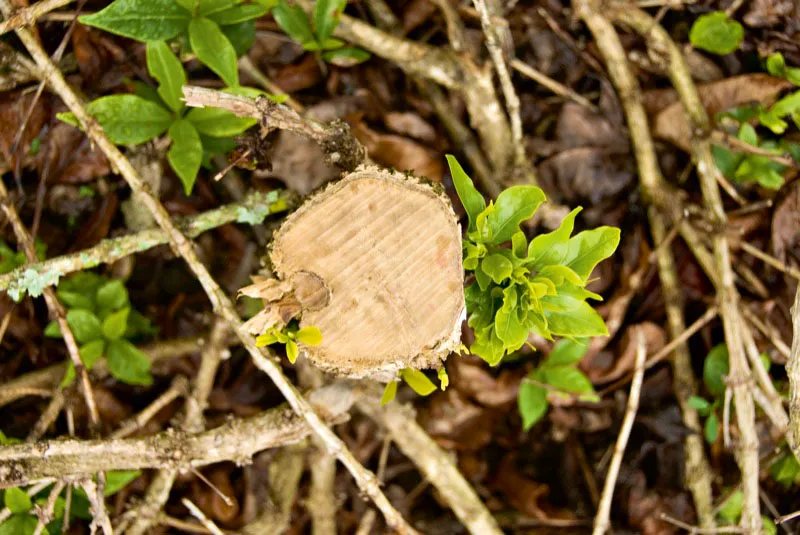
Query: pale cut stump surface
[388, 248]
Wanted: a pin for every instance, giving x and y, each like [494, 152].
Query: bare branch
[27, 16]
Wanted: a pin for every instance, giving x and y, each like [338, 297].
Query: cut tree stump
[387, 248]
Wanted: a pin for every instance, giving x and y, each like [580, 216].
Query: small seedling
[418, 382]
[103, 322]
[730, 511]
[716, 33]
[290, 335]
[316, 33]
[557, 376]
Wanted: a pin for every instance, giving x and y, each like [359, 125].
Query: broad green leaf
[291, 351]
[241, 36]
[128, 364]
[310, 336]
[73, 300]
[115, 325]
[189, 5]
[238, 14]
[566, 352]
[510, 329]
[52, 330]
[731, 509]
[216, 122]
[532, 403]
[116, 480]
[112, 295]
[19, 524]
[418, 381]
[217, 145]
[17, 500]
[294, 21]
[209, 7]
[715, 369]
[497, 266]
[91, 352]
[568, 379]
[589, 248]
[185, 153]
[471, 199]
[85, 325]
[346, 57]
[716, 33]
[326, 17]
[551, 248]
[785, 470]
[776, 64]
[129, 119]
[513, 206]
[699, 404]
[143, 20]
[787, 105]
[768, 527]
[561, 274]
[488, 346]
[266, 340]
[214, 50]
[519, 244]
[168, 71]
[748, 134]
[711, 428]
[567, 316]
[389, 393]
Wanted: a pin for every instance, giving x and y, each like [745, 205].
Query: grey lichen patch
[33, 282]
[252, 215]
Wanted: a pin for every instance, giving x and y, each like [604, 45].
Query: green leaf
[389, 393]
[143, 20]
[589, 248]
[167, 69]
[310, 336]
[532, 403]
[326, 17]
[266, 340]
[291, 351]
[715, 368]
[716, 33]
[510, 329]
[711, 428]
[128, 364]
[69, 118]
[129, 119]
[731, 509]
[80, 300]
[294, 21]
[488, 346]
[238, 14]
[568, 379]
[418, 381]
[785, 470]
[748, 134]
[346, 57]
[115, 325]
[567, 316]
[768, 527]
[116, 480]
[91, 352]
[497, 266]
[551, 248]
[787, 105]
[566, 352]
[52, 330]
[209, 7]
[513, 206]
[699, 404]
[776, 64]
[216, 122]
[214, 50]
[112, 295]
[19, 524]
[185, 153]
[85, 325]
[444, 379]
[17, 500]
[471, 199]
[240, 35]
[69, 375]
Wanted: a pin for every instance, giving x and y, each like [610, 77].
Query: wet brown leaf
[655, 339]
[209, 501]
[457, 423]
[645, 508]
[13, 110]
[410, 124]
[68, 157]
[293, 78]
[401, 153]
[472, 379]
[416, 13]
[587, 174]
[786, 224]
[98, 225]
[523, 493]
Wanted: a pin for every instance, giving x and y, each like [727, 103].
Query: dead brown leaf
[601, 372]
[416, 13]
[785, 235]
[401, 153]
[410, 124]
[457, 423]
[13, 110]
[523, 493]
[766, 13]
[293, 78]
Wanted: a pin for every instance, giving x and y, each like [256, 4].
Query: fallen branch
[237, 440]
[793, 372]
[28, 15]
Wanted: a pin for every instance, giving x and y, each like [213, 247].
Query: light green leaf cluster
[418, 382]
[558, 375]
[23, 519]
[744, 168]
[102, 320]
[290, 335]
[716, 33]
[316, 33]
[536, 287]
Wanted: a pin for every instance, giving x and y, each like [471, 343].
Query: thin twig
[786, 518]
[94, 494]
[198, 514]
[771, 260]
[28, 15]
[793, 373]
[45, 513]
[602, 520]
[769, 331]
[556, 87]
[247, 66]
[695, 530]
[178, 388]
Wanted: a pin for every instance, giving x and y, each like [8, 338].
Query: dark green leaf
[80, 300]
[240, 35]
[699, 404]
[85, 325]
[568, 379]
[294, 22]
[418, 381]
[116, 480]
[167, 69]
[326, 17]
[346, 57]
[52, 330]
[143, 20]
[497, 266]
[715, 369]
[128, 119]
[112, 295]
[488, 346]
[128, 364]
[216, 122]
[91, 352]
[768, 527]
[589, 248]
[209, 7]
[389, 393]
[716, 33]
[115, 325]
[19, 524]
[785, 470]
[471, 199]
[17, 500]
[513, 206]
[532, 402]
[69, 375]
[214, 50]
[731, 509]
[711, 428]
[186, 153]
[238, 14]
[566, 352]
[567, 316]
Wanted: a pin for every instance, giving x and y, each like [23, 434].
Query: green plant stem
[253, 209]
